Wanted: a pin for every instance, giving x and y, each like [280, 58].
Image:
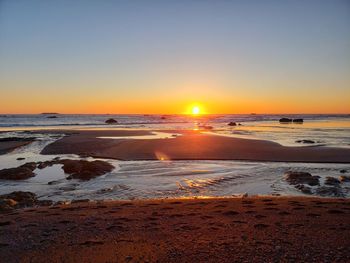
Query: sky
[163, 56]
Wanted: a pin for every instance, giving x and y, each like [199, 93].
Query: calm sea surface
[162, 179]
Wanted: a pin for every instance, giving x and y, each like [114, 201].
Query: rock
[20, 158]
[111, 121]
[232, 123]
[329, 191]
[305, 141]
[4, 206]
[7, 204]
[285, 120]
[344, 178]
[30, 166]
[11, 202]
[22, 172]
[331, 181]
[298, 120]
[19, 199]
[51, 117]
[206, 127]
[295, 178]
[53, 182]
[85, 170]
[343, 171]
[304, 189]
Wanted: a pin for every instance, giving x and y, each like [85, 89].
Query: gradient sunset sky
[162, 56]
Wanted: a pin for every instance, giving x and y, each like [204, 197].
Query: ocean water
[165, 179]
[327, 130]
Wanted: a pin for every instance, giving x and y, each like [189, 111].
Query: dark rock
[329, 191]
[295, 178]
[30, 166]
[305, 141]
[111, 121]
[331, 181]
[85, 170]
[20, 158]
[53, 182]
[343, 171]
[22, 199]
[7, 204]
[51, 117]
[19, 173]
[285, 120]
[298, 120]
[232, 123]
[206, 127]
[344, 178]
[303, 188]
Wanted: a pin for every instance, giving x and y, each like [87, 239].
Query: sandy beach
[10, 145]
[191, 145]
[254, 229]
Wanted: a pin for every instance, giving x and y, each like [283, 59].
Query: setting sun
[196, 110]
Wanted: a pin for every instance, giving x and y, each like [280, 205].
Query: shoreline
[203, 230]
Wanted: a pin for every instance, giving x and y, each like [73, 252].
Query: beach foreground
[252, 229]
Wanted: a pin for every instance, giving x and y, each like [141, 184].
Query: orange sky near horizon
[167, 105]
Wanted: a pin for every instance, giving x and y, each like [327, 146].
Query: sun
[196, 110]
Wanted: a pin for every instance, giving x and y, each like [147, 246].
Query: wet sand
[192, 145]
[253, 229]
[9, 146]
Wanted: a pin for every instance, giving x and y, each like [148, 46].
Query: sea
[177, 179]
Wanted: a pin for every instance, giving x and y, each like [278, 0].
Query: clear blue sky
[159, 56]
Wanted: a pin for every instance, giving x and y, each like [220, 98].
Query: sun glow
[196, 110]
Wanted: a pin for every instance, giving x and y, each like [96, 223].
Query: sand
[192, 145]
[253, 229]
[6, 147]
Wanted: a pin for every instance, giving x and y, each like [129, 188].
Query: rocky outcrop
[17, 200]
[111, 121]
[298, 121]
[331, 181]
[305, 141]
[285, 120]
[80, 169]
[329, 191]
[304, 189]
[20, 199]
[344, 178]
[85, 170]
[288, 120]
[232, 123]
[296, 178]
[22, 172]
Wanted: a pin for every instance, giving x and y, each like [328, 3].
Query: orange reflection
[162, 156]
